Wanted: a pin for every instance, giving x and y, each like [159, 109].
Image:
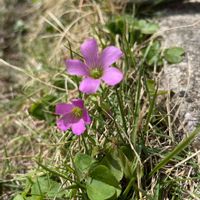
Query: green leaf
[153, 56]
[19, 197]
[98, 190]
[182, 145]
[103, 174]
[83, 162]
[103, 184]
[151, 86]
[174, 55]
[125, 162]
[116, 26]
[112, 161]
[43, 107]
[147, 28]
[44, 186]
[36, 110]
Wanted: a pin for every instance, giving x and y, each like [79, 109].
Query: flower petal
[62, 126]
[70, 118]
[89, 85]
[76, 67]
[86, 117]
[79, 127]
[112, 76]
[89, 50]
[78, 102]
[63, 108]
[109, 56]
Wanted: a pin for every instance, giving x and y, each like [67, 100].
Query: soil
[12, 30]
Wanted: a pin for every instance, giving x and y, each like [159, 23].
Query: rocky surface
[181, 25]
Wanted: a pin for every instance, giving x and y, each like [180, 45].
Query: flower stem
[121, 111]
[85, 145]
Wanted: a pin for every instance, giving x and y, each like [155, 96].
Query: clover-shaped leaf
[174, 55]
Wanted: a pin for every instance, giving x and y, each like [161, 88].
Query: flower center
[77, 112]
[96, 73]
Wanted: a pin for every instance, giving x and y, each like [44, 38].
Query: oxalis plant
[111, 127]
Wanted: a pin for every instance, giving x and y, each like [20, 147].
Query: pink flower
[96, 67]
[74, 116]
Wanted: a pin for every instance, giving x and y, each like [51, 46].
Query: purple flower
[96, 67]
[74, 116]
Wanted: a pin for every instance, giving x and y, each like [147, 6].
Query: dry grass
[21, 137]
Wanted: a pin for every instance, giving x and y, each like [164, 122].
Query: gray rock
[181, 26]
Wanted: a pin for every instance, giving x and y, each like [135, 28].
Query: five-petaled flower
[96, 67]
[73, 115]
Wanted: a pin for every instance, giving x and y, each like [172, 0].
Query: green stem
[128, 188]
[152, 100]
[137, 109]
[121, 111]
[85, 145]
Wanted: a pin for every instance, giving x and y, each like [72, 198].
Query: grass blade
[182, 145]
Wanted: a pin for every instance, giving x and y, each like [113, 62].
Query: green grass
[126, 153]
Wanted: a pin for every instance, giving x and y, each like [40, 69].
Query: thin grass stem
[121, 107]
